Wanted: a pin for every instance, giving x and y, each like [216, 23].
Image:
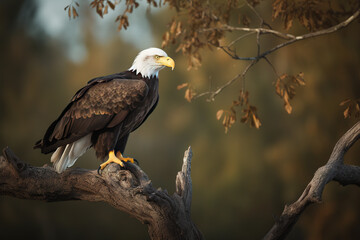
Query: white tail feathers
[66, 156]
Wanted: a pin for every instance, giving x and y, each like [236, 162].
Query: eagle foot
[118, 158]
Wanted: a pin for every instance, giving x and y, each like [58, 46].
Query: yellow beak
[166, 61]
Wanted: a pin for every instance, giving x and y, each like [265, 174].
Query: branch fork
[230, 50]
[334, 170]
[131, 191]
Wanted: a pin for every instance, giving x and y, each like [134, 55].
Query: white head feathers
[150, 61]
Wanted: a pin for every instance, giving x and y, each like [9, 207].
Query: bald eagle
[104, 112]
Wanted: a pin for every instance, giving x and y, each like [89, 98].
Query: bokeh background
[241, 180]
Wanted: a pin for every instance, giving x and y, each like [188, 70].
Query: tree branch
[167, 217]
[333, 170]
[291, 38]
[241, 75]
[262, 55]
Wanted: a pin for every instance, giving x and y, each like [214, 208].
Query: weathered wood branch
[131, 191]
[333, 170]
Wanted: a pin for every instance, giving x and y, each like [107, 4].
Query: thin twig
[241, 75]
[314, 34]
[255, 59]
[262, 30]
[239, 38]
[292, 38]
[262, 21]
[272, 67]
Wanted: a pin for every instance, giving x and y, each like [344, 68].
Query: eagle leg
[124, 159]
[118, 158]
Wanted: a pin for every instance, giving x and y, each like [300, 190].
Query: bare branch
[314, 34]
[348, 174]
[333, 170]
[213, 94]
[292, 38]
[167, 217]
[259, 31]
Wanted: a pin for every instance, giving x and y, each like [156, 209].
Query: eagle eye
[157, 56]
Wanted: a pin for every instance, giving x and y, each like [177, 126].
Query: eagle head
[150, 61]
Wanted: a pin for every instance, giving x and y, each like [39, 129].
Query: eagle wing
[100, 104]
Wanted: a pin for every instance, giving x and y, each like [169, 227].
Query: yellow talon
[119, 159]
[120, 156]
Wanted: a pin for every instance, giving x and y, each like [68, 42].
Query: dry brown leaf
[347, 112]
[112, 6]
[232, 119]
[345, 102]
[256, 121]
[288, 23]
[219, 114]
[288, 108]
[224, 120]
[74, 13]
[69, 13]
[178, 29]
[181, 86]
[287, 104]
[173, 27]
[188, 95]
[300, 79]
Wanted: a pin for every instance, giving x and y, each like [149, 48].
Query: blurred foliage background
[241, 180]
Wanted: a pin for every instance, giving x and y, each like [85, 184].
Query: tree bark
[167, 217]
[131, 191]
